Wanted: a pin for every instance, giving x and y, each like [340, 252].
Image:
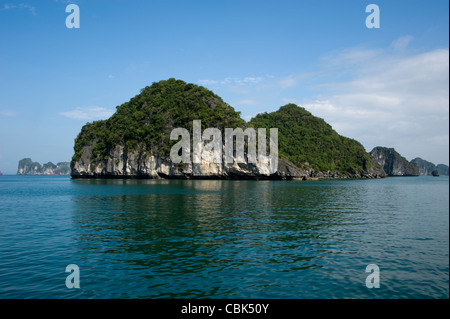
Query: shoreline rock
[427, 168]
[393, 163]
[137, 165]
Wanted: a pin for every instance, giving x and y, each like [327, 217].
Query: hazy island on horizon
[27, 167]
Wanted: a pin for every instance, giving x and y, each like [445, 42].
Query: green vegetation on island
[309, 142]
[147, 119]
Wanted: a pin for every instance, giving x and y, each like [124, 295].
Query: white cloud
[207, 82]
[8, 113]
[249, 80]
[88, 113]
[64, 1]
[246, 102]
[393, 96]
[392, 100]
[288, 82]
[25, 6]
[249, 117]
[401, 43]
[344, 60]
[235, 81]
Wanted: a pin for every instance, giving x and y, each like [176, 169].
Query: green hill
[309, 142]
[147, 119]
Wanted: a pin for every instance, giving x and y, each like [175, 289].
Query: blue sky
[386, 86]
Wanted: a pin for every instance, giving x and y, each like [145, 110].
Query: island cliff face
[393, 163]
[135, 164]
[135, 143]
[442, 169]
[427, 168]
[28, 167]
[122, 163]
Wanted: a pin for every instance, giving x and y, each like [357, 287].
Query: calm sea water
[224, 239]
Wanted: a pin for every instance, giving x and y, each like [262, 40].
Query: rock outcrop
[427, 168]
[393, 163]
[28, 167]
[442, 169]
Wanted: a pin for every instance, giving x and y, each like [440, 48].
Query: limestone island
[28, 167]
[135, 141]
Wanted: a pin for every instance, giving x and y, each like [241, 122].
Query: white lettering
[212, 151]
[73, 19]
[373, 19]
[373, 280]
[73, 280]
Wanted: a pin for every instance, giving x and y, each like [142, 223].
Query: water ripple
[223, 239]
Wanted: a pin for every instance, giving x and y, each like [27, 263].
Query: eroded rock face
[125, 164]
[442, 169]
[122, 163]
[427, 168]
[393, 163]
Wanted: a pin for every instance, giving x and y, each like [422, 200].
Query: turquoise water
[224, 239]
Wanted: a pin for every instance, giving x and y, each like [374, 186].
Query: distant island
[393, 163]
[135, 141]
[428, 168]
[28, 167]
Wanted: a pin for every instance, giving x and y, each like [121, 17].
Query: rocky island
[442, 169]
[135, 141]
[393, 163]
[28, 167]
[427, 168]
